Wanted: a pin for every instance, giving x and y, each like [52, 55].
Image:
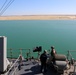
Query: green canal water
[46, 33]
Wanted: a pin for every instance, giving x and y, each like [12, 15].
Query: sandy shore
[39, 17]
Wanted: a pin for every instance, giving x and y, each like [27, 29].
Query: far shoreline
[39, 17]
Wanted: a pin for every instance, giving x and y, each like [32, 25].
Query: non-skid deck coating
[33, 68]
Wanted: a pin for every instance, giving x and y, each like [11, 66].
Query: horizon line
[43, 15]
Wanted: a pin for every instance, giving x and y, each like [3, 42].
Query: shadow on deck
[33, 68]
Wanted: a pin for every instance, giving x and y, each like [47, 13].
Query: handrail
[72, 50]
[21, 49]
[18, 48]
[69, 52]
[14, 71]
[13, 66]
[70, 56]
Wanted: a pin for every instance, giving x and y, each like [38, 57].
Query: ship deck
[33, 68]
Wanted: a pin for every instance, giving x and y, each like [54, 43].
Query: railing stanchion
[11, 52]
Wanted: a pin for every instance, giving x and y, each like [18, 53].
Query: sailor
[43, 59]
[20, 58]
[53, 52]
[20, 62]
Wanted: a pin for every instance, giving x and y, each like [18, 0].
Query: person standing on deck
[53, 52]
[43, 59]
[20, 62]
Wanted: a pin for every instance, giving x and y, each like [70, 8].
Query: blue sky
[40, 7]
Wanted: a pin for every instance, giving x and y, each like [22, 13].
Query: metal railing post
[11, 53]
[21, 51]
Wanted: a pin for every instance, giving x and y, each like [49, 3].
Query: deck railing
[13, 69]
[71, 57]
[20, 50]
[26, 52]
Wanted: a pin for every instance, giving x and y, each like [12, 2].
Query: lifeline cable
[3, 5]
[9, 3]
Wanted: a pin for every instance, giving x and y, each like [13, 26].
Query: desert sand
[39, 17]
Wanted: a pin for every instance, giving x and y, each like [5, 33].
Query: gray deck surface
[33, 68]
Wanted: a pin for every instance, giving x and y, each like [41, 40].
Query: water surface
[45, 33]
